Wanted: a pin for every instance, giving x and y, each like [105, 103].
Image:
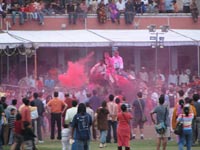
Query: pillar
[174, 58]
[137, 60]
[61, 57]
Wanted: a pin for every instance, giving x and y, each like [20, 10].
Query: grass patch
[136, 144]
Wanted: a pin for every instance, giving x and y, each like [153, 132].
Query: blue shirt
[81, 127]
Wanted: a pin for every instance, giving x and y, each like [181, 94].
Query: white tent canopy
[11, 41]
[100, 38]
[142, 37]
[69, 38]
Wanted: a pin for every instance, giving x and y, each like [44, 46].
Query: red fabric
[68, 101]
[18, 126]
[26, 114]
[123, 129]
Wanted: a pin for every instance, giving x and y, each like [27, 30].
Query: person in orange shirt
[56, 107]
[179, 109]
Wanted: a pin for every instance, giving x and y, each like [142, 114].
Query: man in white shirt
[117, 61]
[71, 112]
[183, 78]
[121, 6]
[173, 78]
[144, 75]
[112, 119]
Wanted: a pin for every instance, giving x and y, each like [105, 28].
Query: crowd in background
[105, 9]
[153, 93]
[26, 123]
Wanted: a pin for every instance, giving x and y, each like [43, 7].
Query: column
[61, 57]
[137, 60]
[174, 58]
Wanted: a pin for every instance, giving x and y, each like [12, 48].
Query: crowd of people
[108, 115]
[25, 124]
[105, 10]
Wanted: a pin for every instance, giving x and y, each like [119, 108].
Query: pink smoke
[127, 87]
[76, 76]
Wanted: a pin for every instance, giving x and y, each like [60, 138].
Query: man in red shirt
[25, 111]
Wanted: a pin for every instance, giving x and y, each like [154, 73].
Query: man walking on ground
[40, 107]
[56, 107]
[138, 112]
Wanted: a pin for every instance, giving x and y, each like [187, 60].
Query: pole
[169, 49]
[156, 54]
[1, 71]
[35, 65]
[198, 59]
[8, 67]
[85, 21]
[26, 60]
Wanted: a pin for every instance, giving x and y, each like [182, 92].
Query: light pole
[158, 40]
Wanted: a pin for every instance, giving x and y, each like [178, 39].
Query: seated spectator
[152, 7]
[120, 7]
[40, 13]
[57, 8]
[22, 15]
[114, 13]
[175, 6]
[129, 12]
[71, 12]
[139, 6]
[186, 6]
[82, 11]
[32, 9]
[14, 11]
[101, 12]
[194, 10]
[2, 10]
[48, 9]
[94, 6]
[161, 6]
[168, 6]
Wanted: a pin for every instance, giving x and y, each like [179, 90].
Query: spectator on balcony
[40, 13]
[71, 12]
[32, 9]
[56, 6]
[22, 15]
[194, 10]
[14, 11]
[129, 12]
[114, 13]
[168, 6]
[161, 6]
[101, 12]
[94, 6]
[121, 7]
[8, 5]
[139, 6]
[82, 11]
[2, 10]
[186, 6]
[62, 3]
[175, 6]
[29, 9]
[152, 7]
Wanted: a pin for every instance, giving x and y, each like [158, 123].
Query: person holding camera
[162, 116]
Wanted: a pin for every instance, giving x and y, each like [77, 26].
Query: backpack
[83, 127]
